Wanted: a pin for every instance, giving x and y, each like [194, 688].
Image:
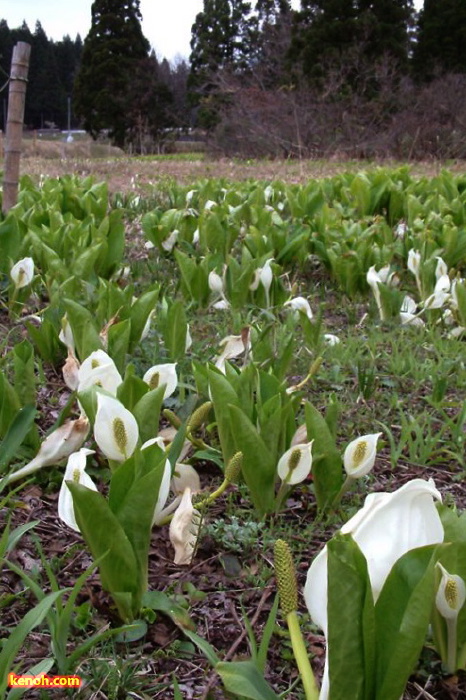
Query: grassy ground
[385, 377]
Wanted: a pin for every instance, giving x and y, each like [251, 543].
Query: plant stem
[451, 644]
[300, 653]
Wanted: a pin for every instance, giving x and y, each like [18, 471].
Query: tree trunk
[14, 125]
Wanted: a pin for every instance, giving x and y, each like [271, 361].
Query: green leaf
[14, 642]
[139, 314]
[223, 395]
[104, 535]
[244, 679]
[16, 434]
[176, 328]
[328, 470]
[147, 413]
[10, 242]
[350, 621]
[402, 615]
[259, 464]
[161, 602]
[24, 372]
[131, 390]
[82, 324]
[38, 669]
[118, 343]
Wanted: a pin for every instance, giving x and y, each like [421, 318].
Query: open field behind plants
[258, 318]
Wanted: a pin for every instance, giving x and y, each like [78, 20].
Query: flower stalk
[288, 594]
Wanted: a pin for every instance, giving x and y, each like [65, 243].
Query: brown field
[125, 173]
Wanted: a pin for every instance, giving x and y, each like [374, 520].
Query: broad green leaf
[9, 404]
[328, 470]
[161, 602]
[140, 311]
[16, 434]
[402, 615]
[175, 331]
[132, 389]
[147, 413]
[223, 395]
[259, 465]
[82, 324]
[118, 343]
[245, 680]
[10, 242]
[350, 621]
[104, 535]
[24, 372]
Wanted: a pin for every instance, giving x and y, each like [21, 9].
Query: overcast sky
[166, 23]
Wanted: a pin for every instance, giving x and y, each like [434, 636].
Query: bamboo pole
[14, 124]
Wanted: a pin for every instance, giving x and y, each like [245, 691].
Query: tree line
[353, 77]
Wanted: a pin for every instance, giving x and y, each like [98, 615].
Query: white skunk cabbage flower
[373, 280]
[295, 464]
[331, 339]
[408, 315]
[189, 340]
[66, 334]
[414, 266]
[359, 456]
[162, 374]
[300, 436]
[441, 294]
[70, 371]
[385, 528]
[185, 476]
[22, 272]
[184, 529]
[221, 305]
[215, 283]
[233, 346]
[451, 594]
[75, 471]
[65, 440]
[98, 369]
[441, 269]
[265, 278]
[300, 304]
[115, 429]
[169, 243]
[414, 262]
[164, 489]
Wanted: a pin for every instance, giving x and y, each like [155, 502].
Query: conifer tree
[441, 37]
[112, 53]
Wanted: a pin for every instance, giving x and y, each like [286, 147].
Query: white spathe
[184, 529]
[359, 455]
[162, 374]
[164, 489]
[56, 447]
[75, 471]
[22, 272]
[115, 429]
[295, 464]
[385, 528]
[98, 369]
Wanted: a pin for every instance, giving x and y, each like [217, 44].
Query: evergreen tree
[440, 38]
[334, 33]
[274, 19]
[113, 52]
[45, 98]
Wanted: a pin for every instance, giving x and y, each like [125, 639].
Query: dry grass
[124, 173]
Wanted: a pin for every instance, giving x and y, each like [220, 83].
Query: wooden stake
[14, 124]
